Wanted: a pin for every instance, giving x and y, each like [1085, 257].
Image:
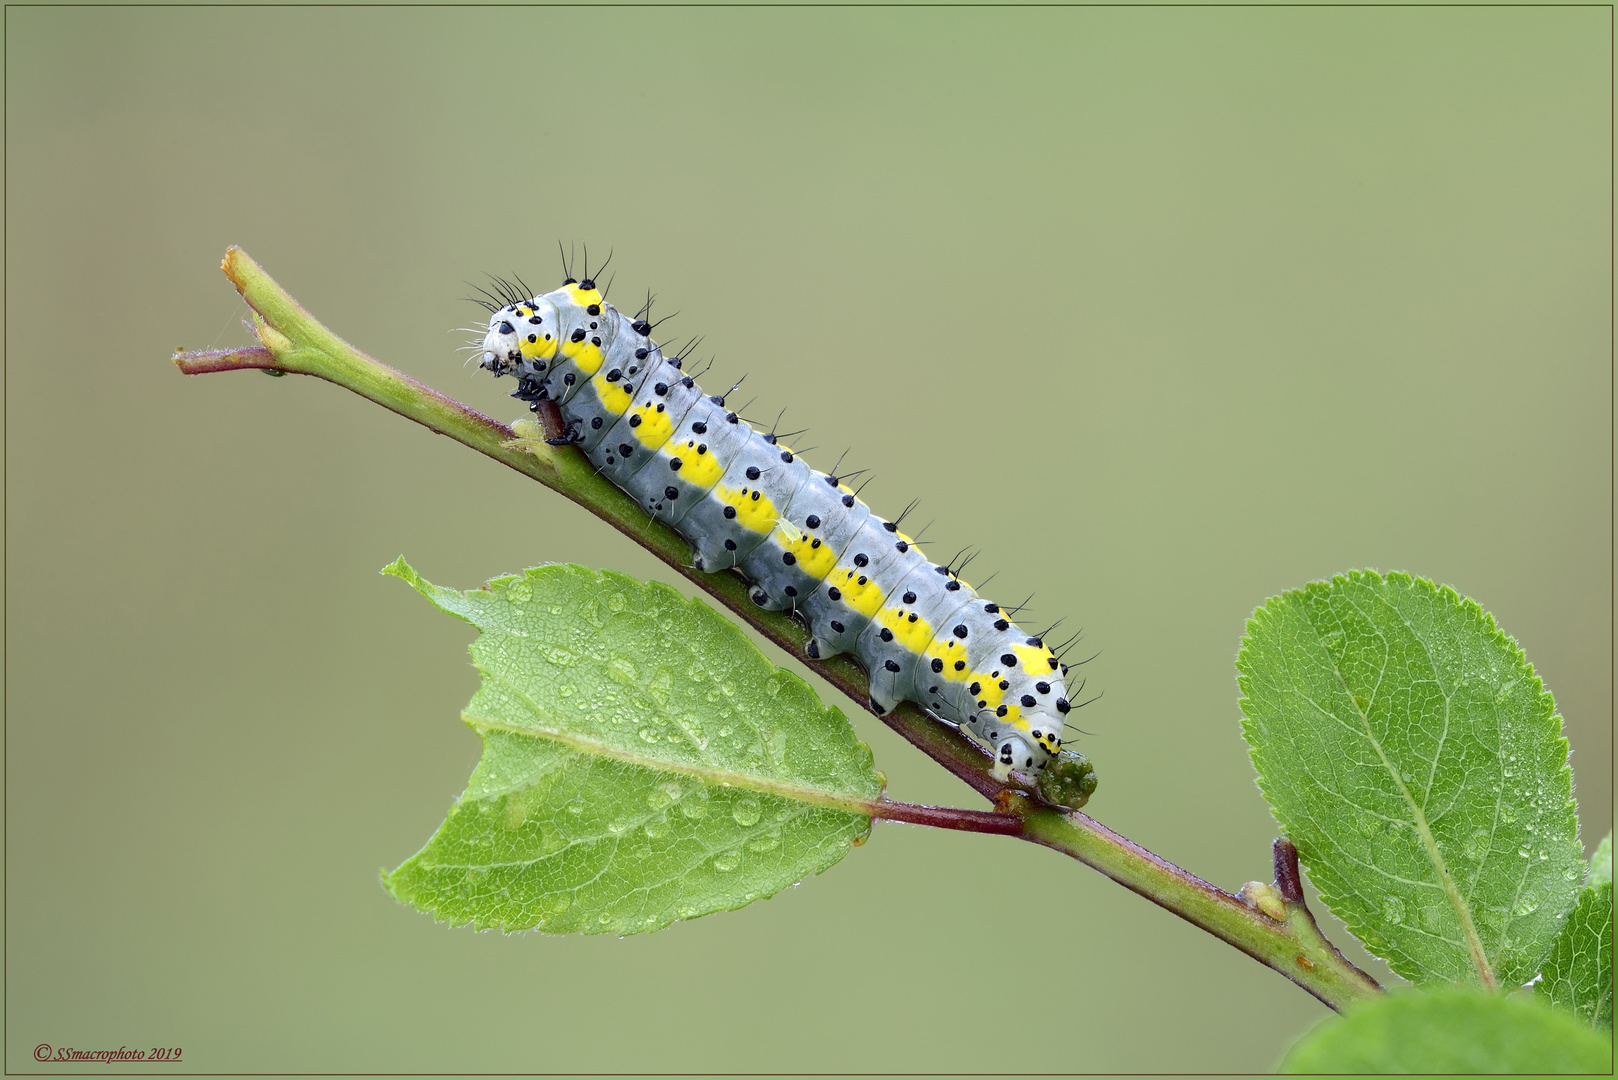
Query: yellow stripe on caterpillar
[585, 354]
[583, 297]
[537, 346]
[698, 466]
[813, 557]
[859, 591]
[909, 629]
[614, 396]
[986, 689]
[754, 510]
[951, 653]
[1036, 659]
[651, 425]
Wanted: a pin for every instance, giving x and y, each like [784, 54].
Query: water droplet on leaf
[747, 811]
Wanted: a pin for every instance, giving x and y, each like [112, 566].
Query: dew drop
[1393, 910]
[1477, 845]
[747, 812]
[726, 861]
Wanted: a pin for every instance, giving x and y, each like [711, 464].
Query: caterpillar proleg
[745, 501]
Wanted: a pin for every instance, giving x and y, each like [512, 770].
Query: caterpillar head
[522, 338]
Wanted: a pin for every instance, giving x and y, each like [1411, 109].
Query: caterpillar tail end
[1065, 779]
[1015, 755]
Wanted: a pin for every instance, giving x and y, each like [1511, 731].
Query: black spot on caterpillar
[921, 633]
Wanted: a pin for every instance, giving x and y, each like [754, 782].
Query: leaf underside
[1601, 863]
[642, 763]
[1407, 748]
[1578, 972]
[1453, 1030]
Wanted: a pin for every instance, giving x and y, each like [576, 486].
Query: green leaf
[1578, 972]
[642, 763]
[1450, 1029]
[1408, 749]
[1601, 863]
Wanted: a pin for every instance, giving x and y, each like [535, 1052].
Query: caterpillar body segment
[745, 501]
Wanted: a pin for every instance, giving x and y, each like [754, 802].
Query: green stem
[1275, 928]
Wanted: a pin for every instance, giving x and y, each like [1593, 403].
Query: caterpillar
[745, 501]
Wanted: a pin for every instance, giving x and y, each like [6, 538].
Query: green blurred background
[1213, 302]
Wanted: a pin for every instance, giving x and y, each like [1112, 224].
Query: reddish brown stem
[947, 817]
[201, 363]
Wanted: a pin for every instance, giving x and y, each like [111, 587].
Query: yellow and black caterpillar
[744, 500]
